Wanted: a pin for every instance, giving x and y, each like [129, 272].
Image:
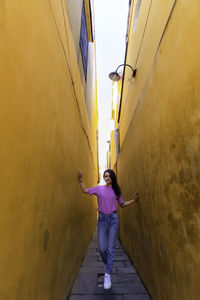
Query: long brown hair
[115, 185]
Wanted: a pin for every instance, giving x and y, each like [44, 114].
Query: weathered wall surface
[45, 137]
[160, 157]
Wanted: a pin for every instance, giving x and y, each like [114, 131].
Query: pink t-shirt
[107, 200]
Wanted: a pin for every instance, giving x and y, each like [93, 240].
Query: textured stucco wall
[160, 157]
[45, 137]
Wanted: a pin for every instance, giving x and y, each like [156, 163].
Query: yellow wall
[160, 146]
[45, 137]
[112, 149]
[143, 43]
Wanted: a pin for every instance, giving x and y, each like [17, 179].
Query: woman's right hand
[136, 196]
[82, 185]
[80, 174]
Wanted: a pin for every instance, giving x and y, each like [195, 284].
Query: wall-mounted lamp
[116, 77]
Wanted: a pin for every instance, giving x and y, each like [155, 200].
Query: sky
[110, 35]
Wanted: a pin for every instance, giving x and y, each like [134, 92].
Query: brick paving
[126, 284]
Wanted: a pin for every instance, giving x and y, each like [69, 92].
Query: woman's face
[107, 178]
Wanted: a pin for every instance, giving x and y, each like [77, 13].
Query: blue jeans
[107, 234]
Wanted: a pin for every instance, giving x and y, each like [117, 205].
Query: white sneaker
[107, 282]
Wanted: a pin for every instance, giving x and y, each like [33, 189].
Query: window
[137, 11]
[84, 41]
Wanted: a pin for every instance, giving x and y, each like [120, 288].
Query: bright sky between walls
[110, 33]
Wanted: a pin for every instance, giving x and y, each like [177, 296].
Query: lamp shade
[114, 76]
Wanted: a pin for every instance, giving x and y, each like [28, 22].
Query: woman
[108, 221]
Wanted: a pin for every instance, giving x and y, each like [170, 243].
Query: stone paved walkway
[126, 284]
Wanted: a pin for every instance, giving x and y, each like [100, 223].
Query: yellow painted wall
[143, 42]
[160, 152]
[112, 149]
[45, 137]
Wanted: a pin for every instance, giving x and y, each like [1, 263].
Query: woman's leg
[111, 242]
[102, 236]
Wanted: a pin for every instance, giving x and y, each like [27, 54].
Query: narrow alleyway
[126, 284]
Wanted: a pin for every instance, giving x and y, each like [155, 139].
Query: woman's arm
[82, 185]
[127, 203]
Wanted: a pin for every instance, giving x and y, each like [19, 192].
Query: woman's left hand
[80, 174]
